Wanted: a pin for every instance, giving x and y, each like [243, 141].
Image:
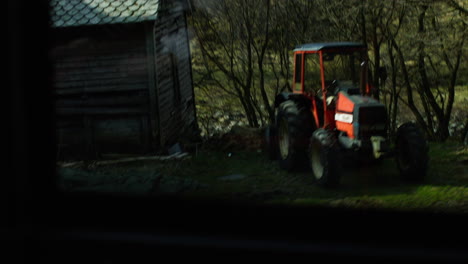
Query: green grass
[362, 186]
[448, 163]
[461, 96]
[376, 186]
[210, 166]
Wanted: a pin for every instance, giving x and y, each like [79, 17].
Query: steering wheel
[332, 88]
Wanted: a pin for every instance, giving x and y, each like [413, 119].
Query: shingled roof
[68, 13]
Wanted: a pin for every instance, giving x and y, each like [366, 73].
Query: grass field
[376, 186]
[250, 176]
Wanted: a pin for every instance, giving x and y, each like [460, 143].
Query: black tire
[271, 142]
[294, 126]
[325, 158]
[411, 153]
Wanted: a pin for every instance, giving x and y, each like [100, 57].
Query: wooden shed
[122, 76]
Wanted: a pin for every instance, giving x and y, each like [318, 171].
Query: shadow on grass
[251, 176]
[380, 186]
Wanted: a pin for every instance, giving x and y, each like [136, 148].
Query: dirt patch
[142, 176]
[237, 139]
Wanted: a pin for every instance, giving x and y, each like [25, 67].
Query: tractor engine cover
[360, 117]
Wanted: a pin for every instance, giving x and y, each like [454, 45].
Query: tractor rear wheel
[294, 127]
[411, 152]
[325, 158]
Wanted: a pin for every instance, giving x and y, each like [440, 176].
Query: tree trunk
[376, 47]
[428, 96]
[409, 88]
[393, 94]
[260, 59]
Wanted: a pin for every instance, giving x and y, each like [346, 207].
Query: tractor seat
[330, 99]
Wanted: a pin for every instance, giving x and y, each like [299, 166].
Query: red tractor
[333, 114]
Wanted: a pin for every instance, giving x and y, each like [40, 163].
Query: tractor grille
[372, 122]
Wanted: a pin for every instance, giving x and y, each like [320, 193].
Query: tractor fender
[298, 98]
[281, 98]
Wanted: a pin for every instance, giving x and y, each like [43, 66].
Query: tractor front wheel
[324, 155]
[411, 152]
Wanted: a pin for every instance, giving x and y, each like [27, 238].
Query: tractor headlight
[345, 118]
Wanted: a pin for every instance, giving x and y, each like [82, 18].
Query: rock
[175, 149]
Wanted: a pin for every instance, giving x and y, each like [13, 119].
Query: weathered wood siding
[102, 90]
[124, 88]
[173, 75]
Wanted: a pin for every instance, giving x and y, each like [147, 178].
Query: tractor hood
[364, 100]
[360, 116]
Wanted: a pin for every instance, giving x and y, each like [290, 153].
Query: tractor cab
[323, 70]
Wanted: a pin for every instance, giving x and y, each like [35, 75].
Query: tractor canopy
[323, 68]
[330, 45]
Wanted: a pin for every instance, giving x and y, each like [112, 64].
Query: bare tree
[246, 46]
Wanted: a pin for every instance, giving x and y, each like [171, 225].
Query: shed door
[101, 84]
